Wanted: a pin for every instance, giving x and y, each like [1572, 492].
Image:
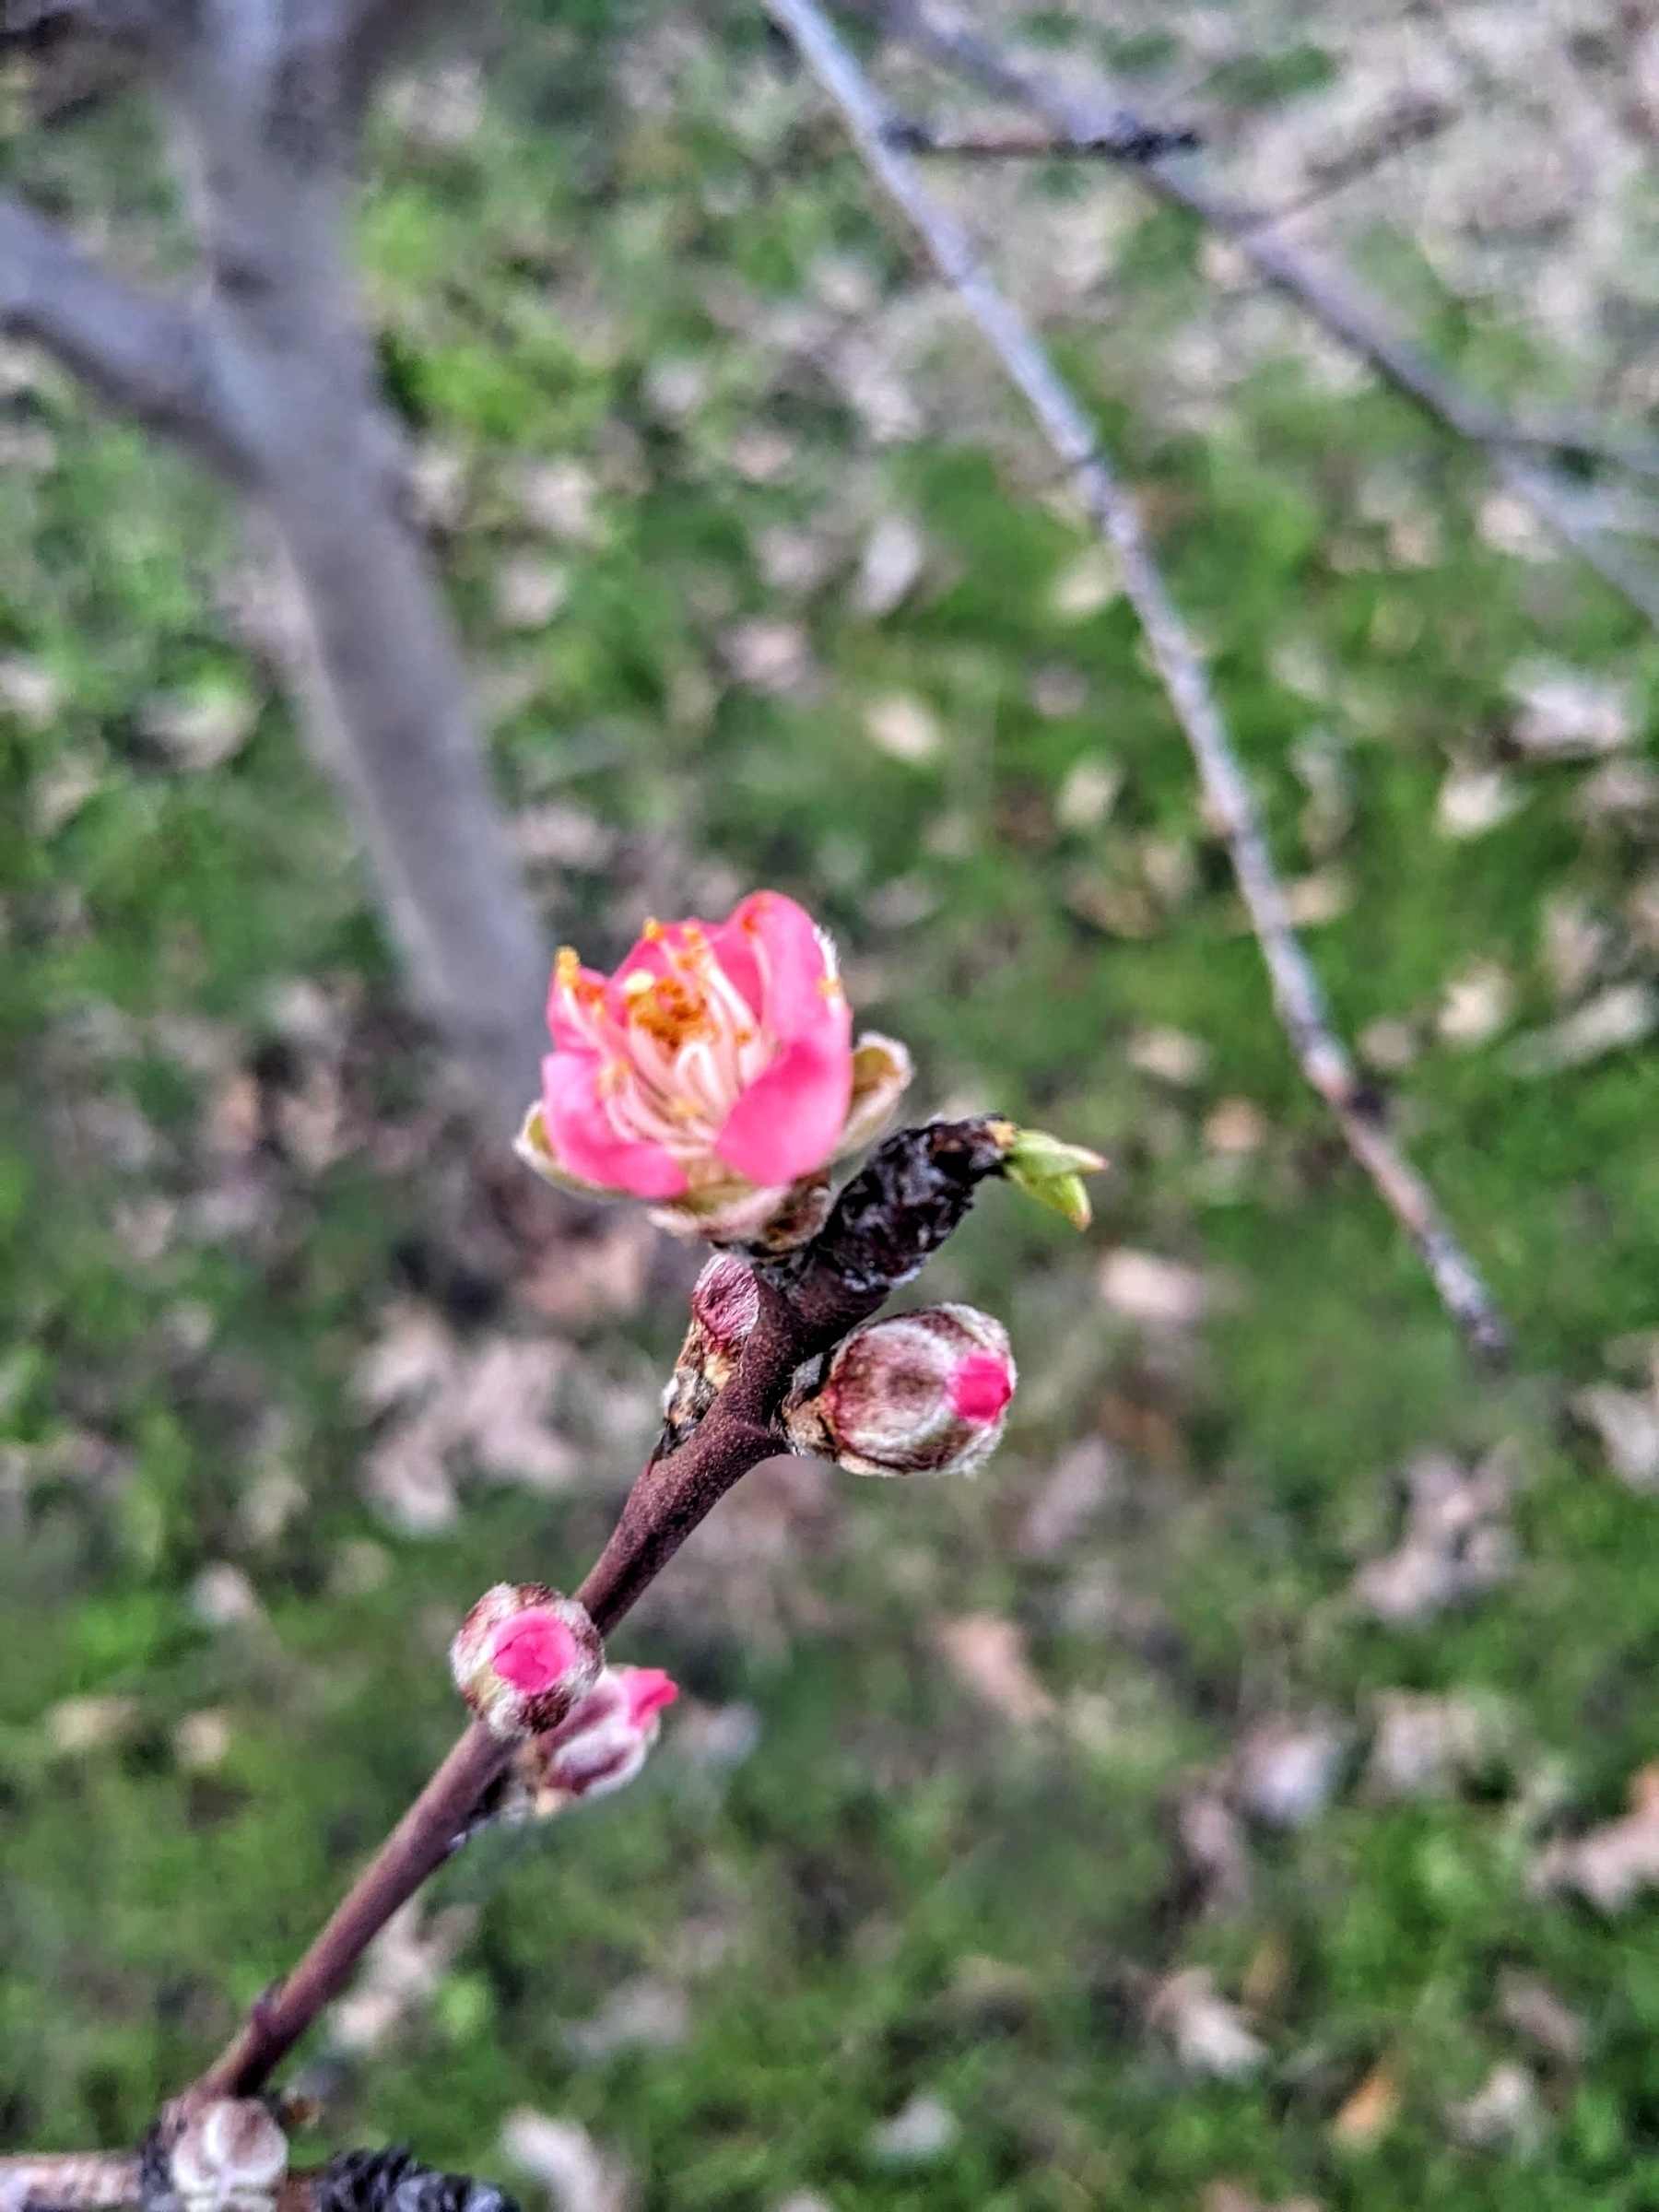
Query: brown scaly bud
[524, 1656]
[230, 2157]
[726, 1303]
[921, 1394]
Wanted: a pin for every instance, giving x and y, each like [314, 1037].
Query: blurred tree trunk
[268, 374]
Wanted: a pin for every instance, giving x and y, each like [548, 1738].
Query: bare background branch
[1295, 990]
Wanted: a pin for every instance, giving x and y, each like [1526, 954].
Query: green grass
[886, 1838]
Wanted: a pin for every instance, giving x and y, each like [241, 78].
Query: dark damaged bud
[921, 1394]
[524, 1656]
[906, 1201]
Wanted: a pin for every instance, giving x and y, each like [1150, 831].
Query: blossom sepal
[523, 1657]
[1049, 1169]
[918, 1393]
[599, 1747]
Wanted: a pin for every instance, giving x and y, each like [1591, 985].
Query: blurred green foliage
[583, 278]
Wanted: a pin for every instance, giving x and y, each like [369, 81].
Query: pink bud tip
[649, 1691]
[980, 1386]
[534, 1651]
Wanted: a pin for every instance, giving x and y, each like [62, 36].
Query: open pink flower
[714, 1072]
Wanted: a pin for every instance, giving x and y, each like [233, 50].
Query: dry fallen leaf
[890, 566]
[1504, 2114]
[1285, 1771]
[1370, 2111]
[1209, 2034]
[904, 727]
[487, 1404]
[988, 1654]
[1566, 714]
[919, 2132]
[1617, 1017]
[1627, 1423]
[1613, 1863]
[1457, 1541]
[1215, 1847]
[563, 2159]
[1532, 2008]
[1475, 800]
[1426, 1745]
[1160, 1294]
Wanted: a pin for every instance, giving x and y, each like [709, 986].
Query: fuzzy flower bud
[725, 1304]
[921, 1394]
[524, 1656]
[230, 2157]
[599, 1746]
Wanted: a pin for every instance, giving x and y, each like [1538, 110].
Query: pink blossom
[525, 1656]
[602, 1742]
[712, 1073]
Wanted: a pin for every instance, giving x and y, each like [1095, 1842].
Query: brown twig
[72, 2181]
[917, 137]
[885, 1223]
[1329, 296]
[1296, 988]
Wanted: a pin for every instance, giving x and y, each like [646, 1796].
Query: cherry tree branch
[884, 1225]
[1298, 995]
[1080, 118]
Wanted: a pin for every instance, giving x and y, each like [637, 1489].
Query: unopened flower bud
[230, 2157]
[1049, 1169]
[922, 1394]
[726, 1303]
[524, 1656]
[600, 1745]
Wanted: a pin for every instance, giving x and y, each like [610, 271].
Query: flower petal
[582, 1141]
[773, 952]
[787, 1122]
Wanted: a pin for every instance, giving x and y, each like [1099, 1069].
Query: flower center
[978, 1388]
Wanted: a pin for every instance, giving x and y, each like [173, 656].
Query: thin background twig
[1297, 992]
[1083, 121]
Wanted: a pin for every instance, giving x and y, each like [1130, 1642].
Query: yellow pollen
[639, 984]
[831, 985]
[684, 1109]
[652, 930]
[567, 968]
[669, 1011]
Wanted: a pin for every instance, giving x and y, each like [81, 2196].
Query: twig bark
[884, 1225]
[1297, 992]
[1078, 118]
[73, 2180]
